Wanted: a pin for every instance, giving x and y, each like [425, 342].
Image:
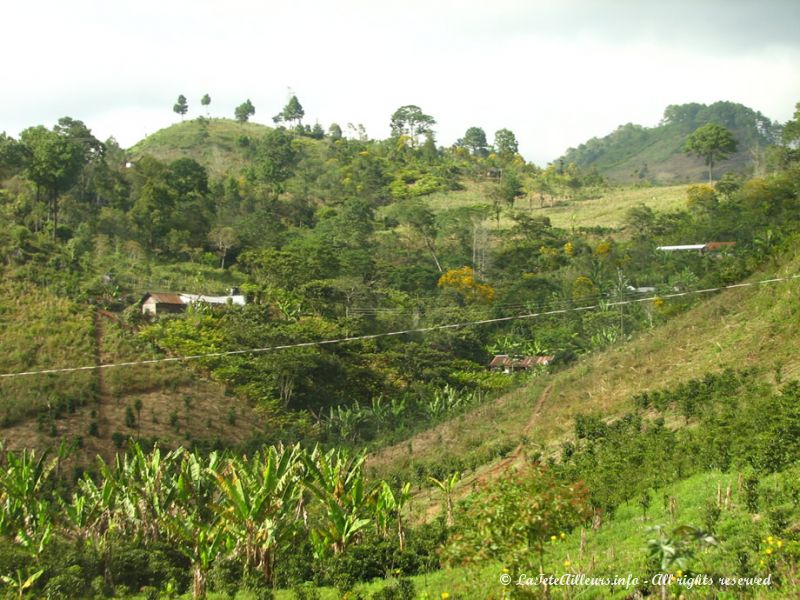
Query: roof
[163, 298]
[501, 360]
[719, 245]
[682, 247]
[181, 299]
[192, 298]
[706, 246]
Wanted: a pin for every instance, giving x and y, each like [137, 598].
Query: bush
[306, 591]
[68, 584]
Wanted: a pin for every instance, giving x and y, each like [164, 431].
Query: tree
[293, 111]
[11, 155]
[475, 140]
[509, 188]
[711, 142]
[205, 101]
[244, 111]
[224, 238]
[411, 121]
[335, 132]
[505, 143]
[53, 160]
[462, 281]
[181, 106]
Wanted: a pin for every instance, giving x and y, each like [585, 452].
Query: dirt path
[481, 478]
[498, 469]
[102, 390]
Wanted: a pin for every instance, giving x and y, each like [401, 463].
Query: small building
[642, 289]
[683, 247]
[156, 303]
[509, 364]
[707, 247]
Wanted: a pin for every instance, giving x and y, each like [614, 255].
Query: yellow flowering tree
[462, 282]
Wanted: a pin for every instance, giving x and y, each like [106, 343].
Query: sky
[554, 72]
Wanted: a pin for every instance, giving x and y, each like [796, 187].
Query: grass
[176, 405]
[607, 211]
[610, 210]
[41, 331]
[213, 143]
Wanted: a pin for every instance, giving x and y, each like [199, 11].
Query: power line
[373, 336]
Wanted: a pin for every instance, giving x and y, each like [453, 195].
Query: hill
[636, 153]
[753, 326]
[220, 145]
[97, 410]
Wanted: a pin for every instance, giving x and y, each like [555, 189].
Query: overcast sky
[554, 72]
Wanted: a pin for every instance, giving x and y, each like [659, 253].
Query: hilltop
[220, 145]
[635, 153]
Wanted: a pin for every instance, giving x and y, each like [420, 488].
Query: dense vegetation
[333, 237]
[633, 153]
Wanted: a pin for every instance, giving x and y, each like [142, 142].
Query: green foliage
[711, 142]
[244, 111]
[475, 141]
[181, 107]
[292, 112]
[410, 121]
[517, 516]
[505, 143]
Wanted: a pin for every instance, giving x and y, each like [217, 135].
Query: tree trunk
[431, 249]
[199, 583]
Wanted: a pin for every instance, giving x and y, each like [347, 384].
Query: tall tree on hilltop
[505, 143]
[410, 121]
[181, 106]
[244, 111]
[205, 101]
[475, 141]
[293, 111]
[711, 142]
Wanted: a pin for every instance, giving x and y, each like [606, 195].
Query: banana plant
[337, 480]
[91, 514]
[21, 581]
[22, 482]
[389, 505]
[259, 500]
[191, 522]
[447, 485]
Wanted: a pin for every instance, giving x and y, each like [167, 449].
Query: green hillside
[220, 145]
[636, 153]
[448, 361]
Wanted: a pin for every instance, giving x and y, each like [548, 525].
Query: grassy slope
[610, 210]
[606, 211]
[211, 142]
[736, 328]
[40, 331]
[662, 151]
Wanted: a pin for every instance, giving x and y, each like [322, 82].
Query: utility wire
[373, 336]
